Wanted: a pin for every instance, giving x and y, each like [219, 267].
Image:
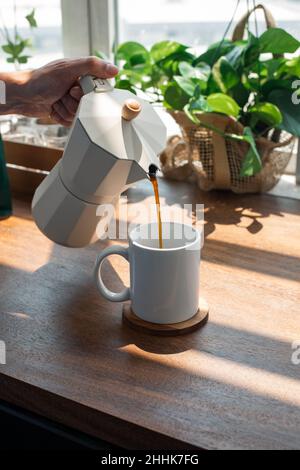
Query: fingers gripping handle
[89, 83]
[108, 294]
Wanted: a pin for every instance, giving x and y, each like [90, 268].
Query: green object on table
[5, 198]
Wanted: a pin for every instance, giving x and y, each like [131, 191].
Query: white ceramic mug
[164, 283]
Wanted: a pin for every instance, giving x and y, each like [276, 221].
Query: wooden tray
[28, 164]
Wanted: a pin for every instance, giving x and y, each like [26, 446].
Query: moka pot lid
[123, 124]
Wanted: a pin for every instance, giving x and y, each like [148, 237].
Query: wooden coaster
[174, 329]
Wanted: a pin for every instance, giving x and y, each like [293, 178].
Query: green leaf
[212, 86]
[201, 71]
[14, 49]
[190, 114]
[23, 59]
[258, 68]
[252, 162]
[224, 104]
[163, 49]
[125, 85]
[170, 65]
[129, 49]
[225, 75]
[283, 99]
[138, 68]
[252, 82]
[200, 104]
[197, 93]
[19, 47]
[31, 19]
[240, 94]
[186, 84]
[278, 41]
[267, 113]
[175, 97]
[214, 52]
[291, 67]
[186, 70]
[273, 67]
[138, 59]
[236, 55]
[8, 49]
[130, 75]
[272, 85]
[157, 76]
[252, 51]
[10, 60]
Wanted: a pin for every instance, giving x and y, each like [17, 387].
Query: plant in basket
[236, 104]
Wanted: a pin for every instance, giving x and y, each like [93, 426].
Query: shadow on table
[90, 324]
[62, 321]
[221, 207]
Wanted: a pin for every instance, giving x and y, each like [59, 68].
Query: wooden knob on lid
[131, 109]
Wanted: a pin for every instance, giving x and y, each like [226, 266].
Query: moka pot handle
[99, 85]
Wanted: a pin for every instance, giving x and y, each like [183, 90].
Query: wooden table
[230, 385]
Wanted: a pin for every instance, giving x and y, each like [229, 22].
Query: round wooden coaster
[174, 329]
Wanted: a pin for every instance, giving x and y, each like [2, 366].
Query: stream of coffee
[153, 179]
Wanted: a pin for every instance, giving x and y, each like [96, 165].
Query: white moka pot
[114, 139]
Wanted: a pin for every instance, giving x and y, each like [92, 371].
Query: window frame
[90, 37]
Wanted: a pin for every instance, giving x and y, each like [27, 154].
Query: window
[193, 22]
[47, 38]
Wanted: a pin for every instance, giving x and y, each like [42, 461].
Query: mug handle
[108, 294]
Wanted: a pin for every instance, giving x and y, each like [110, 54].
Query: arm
[53, 90]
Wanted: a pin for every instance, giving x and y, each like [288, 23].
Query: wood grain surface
[230, 385]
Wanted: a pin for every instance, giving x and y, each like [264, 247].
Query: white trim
[103, 25]
[75, 25]
[89, 25]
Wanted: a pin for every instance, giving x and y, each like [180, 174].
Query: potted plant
[234, 104]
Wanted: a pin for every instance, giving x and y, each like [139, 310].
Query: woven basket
[213, 162]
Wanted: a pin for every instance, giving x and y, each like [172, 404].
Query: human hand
[53, 90]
